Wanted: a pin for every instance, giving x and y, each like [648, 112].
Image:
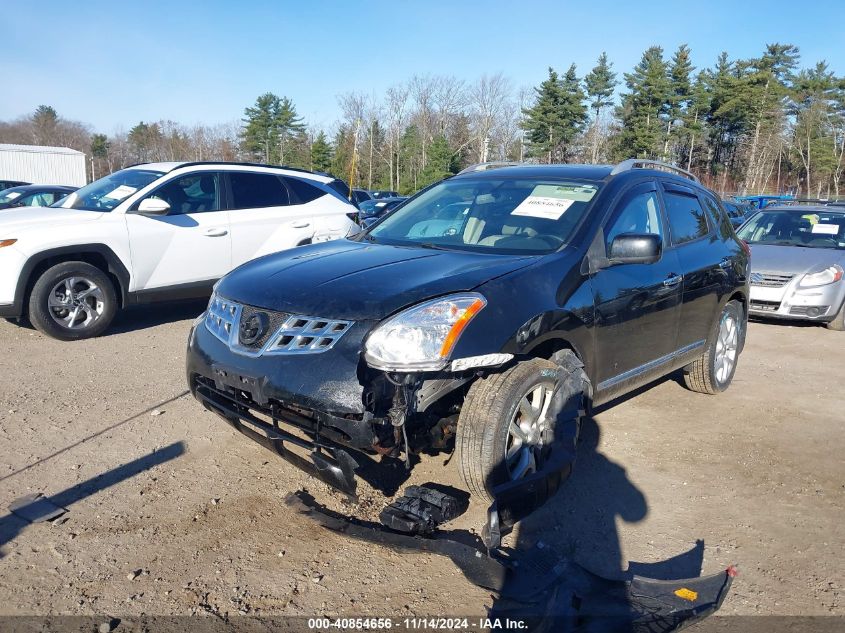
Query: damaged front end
[330, 414]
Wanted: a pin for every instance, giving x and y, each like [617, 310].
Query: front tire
[72, 301]
[714, 370]
[504, 433]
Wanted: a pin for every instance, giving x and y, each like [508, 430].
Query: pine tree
[45, 121]
[699, 104]
[600, 83]
[556, 117]
[441, 162]
[680, 70]
[573, 110]
[643, 106]
[269, 127]
[321, 153]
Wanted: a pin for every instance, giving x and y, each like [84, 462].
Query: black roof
[580, 172]
[40, 188]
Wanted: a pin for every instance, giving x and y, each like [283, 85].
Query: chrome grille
[300, 334]
[770, 280]
[255, 332]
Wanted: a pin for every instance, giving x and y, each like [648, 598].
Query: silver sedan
[797, 262]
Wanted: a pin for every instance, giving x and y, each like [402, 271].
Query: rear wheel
[505, 430]
[713, 371]
[72, 300]
[838, 322]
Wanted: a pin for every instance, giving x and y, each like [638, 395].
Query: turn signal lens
[6, 243]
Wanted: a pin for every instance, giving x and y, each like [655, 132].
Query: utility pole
[354, 152]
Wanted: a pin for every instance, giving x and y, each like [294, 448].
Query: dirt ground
[172, 512]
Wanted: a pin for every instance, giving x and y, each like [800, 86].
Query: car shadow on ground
[12, 524]
[582, 520]
[140, 317]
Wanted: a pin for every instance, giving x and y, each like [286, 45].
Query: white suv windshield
[106, 193]
[490, 215]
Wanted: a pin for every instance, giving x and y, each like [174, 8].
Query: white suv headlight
[821, 278]
[422, 338]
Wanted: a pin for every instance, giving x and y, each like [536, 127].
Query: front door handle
[673, 280]
[216, 232]
[726, 263]
[300, 224]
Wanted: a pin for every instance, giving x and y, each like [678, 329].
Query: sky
[113, 64]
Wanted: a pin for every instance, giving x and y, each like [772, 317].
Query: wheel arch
[98, 255]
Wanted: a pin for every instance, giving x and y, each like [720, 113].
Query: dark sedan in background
[5, 184]
[33, 195]
[374, 209]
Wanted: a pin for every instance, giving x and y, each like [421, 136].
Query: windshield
[106, 193]
[9, 195]
[796, 227]
[489, 215]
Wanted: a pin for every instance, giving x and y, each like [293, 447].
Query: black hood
[351, 280]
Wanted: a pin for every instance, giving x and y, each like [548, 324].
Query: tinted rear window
[302, 192]
[254, 191]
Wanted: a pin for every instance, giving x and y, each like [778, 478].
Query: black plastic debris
[422, 508]
[542, 589]
[463, 548]
[36, 508]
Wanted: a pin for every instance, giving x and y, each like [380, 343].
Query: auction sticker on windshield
[826, 229]
[120, 192]
[550, 202]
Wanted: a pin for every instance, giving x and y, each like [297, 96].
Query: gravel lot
[171, 512]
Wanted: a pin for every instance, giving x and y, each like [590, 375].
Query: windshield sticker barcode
[543, 207]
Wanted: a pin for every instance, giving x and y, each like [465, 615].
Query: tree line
[741, 125]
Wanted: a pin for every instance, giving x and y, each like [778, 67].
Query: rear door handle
[725, 263]
[300, 224]
[673, 280]
[215, 232]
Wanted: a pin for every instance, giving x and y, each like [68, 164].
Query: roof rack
[249, 164]
[491, 165]
[642, 163]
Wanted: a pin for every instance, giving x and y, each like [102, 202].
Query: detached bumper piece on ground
[541, 588]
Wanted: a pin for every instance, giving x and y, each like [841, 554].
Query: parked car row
[482, 315]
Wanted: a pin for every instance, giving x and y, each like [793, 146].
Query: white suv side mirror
[154, 206]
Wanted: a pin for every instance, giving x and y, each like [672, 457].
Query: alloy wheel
[76, 303]
[727, 344]
[529, 432]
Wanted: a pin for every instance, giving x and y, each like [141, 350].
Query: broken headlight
[422, 338]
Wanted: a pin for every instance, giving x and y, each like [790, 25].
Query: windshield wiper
[435, 247]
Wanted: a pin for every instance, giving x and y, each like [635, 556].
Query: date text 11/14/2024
[417, 624]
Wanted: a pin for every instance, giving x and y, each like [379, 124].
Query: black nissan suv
[483, 317]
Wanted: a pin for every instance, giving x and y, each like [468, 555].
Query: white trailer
[42, 165]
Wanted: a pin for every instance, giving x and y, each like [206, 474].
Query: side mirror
[154, 206]
[368, 222]
[630, 248]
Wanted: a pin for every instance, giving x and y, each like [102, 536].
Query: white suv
[154, 232]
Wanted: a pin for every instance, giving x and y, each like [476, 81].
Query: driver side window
[640, 214]
[192, 193]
